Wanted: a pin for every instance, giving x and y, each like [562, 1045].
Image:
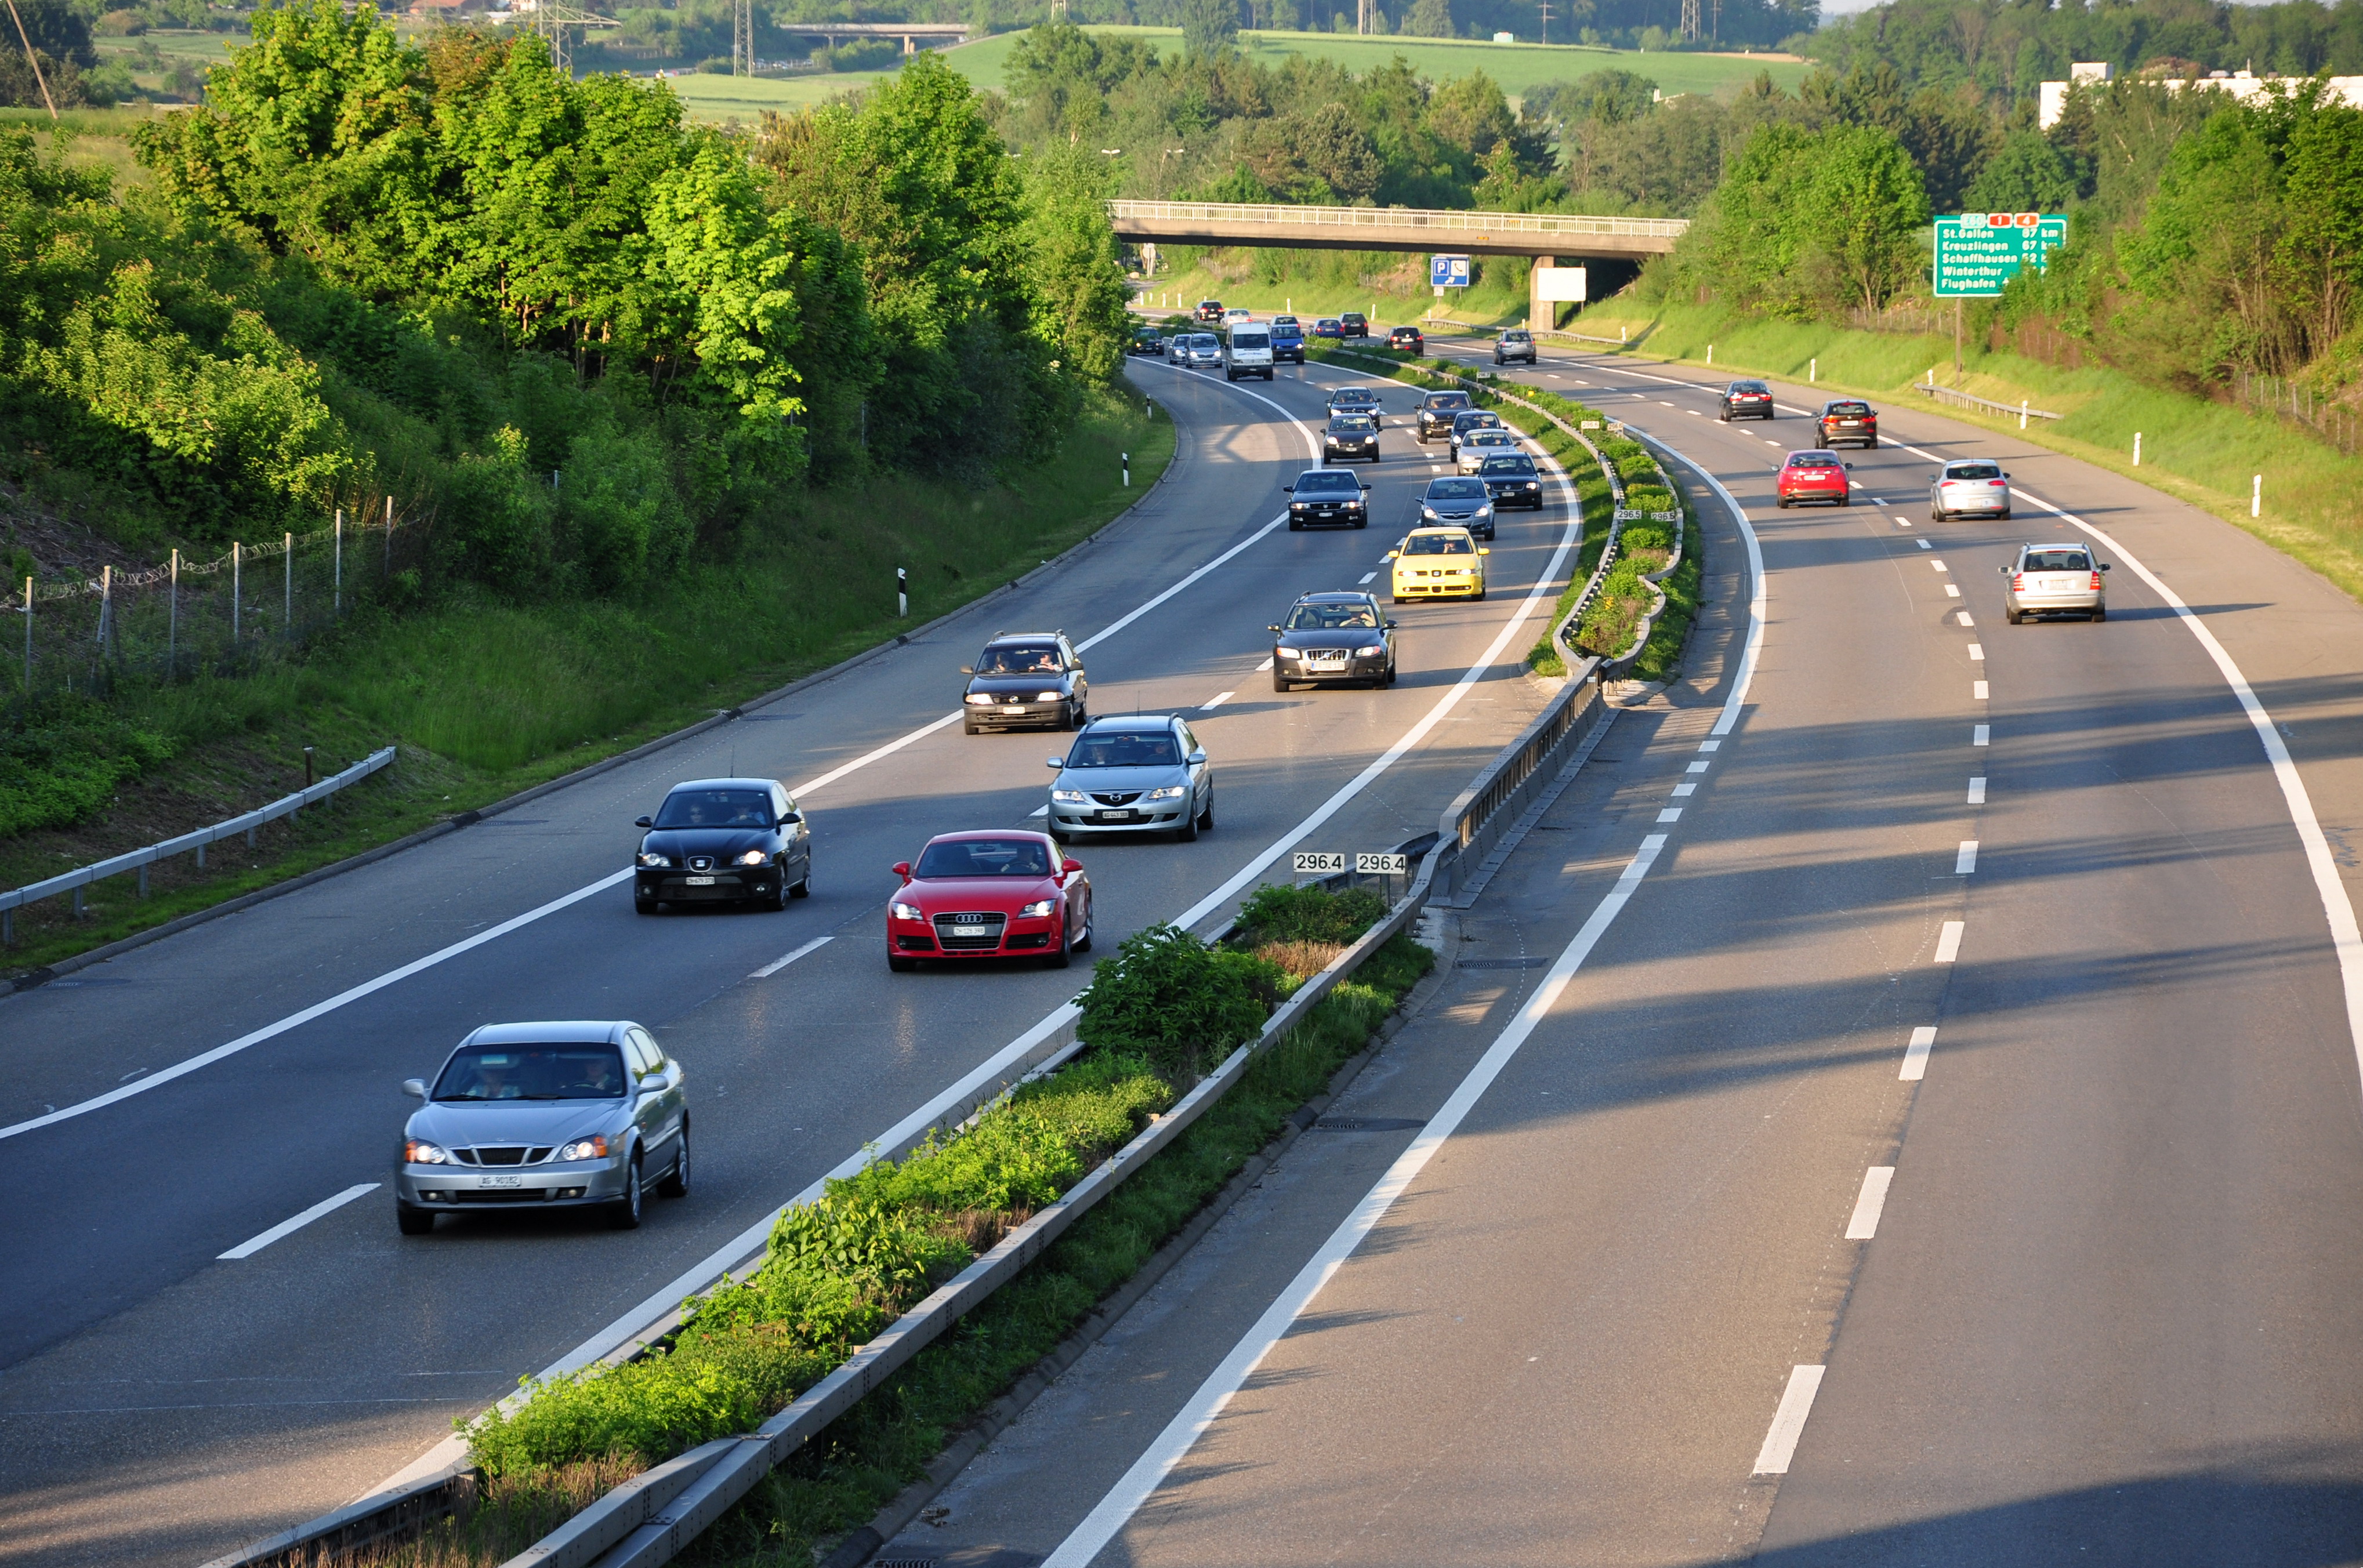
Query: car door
[796, 864]
[1083, 686]
[1202, 774]
[652, 1111]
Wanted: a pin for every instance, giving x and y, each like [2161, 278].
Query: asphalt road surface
[1904, 1112]
[161, 1403]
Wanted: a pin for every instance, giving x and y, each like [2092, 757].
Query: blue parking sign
[1448, 271]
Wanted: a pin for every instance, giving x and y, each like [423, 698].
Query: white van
[1246, 349]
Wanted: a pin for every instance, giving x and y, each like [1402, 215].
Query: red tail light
[2096, 583]
[2017, 582]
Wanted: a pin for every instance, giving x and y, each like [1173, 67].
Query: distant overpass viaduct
[909, 32]
[1545, 236]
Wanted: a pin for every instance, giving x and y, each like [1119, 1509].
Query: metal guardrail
[139, 860]
[1394, 222]
[1964, 400]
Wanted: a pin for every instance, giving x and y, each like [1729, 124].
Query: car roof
[1437, 528]
[1133, 722]
[1952, 463]
[724, 784]
[1507, 458]
[984, 833]
[1329, 473]
[1845, 403]
[562, 1032]
[1334, 596]
[1749, 383]
[2058, 545]
[999, 637]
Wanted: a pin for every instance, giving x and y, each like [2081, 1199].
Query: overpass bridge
[1545, 236]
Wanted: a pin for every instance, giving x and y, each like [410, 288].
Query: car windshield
[1320, 483]
[1973, 471]
[1250, 339]
[1353, 422]
[1491, 438]
[1018, 660]
[1438, 544]
[1455, 490]
[2057, 560]
[1332, 618]
[1352, 315]
[716, 808]
[1126, 748]
[1206, 340]
[984, 857]
[1509, 463]
[1477, 420]
[1445, 399]
[591, 1071]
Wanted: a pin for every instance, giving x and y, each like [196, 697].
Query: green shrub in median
[1179, 1003]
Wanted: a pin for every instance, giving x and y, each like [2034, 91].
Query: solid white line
[1789, 1421]
[1686, 788]
[888, 749]
[298, 1019]
[1216, 701]
[1966, 859]
[1965, 618]
[1867, 1205]
[289, 1227]
[1977, 652]
[1264, 668]
[776, 964]
[1978, 691]
[1977, 791]
[1915, 1054]
[1755, 647]
[1670, 814]
[1980, 734]
[1148, 1472]
[1948, 941]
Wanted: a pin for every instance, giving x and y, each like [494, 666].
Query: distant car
[1478, 445]
[1247, 352]
[1813, 476]
[1001, 894]
[1353, 324]
[1517, 343]
[1408, 338]
[1326, 327]
[1471, 419]
[1287, 340]
[723, 840]
[2054, 579]
[1328, 496]
[1332, 639]
[1350, 438]
[1461, 501]
[1028, 680]
[1235, 314]
[1744, 399]
[1210, 310]
[1198, 351]
[568, 1115]
[1436, 563]
[1512, 479]
[1132, 773]
[1968, 485]
[1146, 340]
[1437, 412]
[1847, 419]
[1355, 400]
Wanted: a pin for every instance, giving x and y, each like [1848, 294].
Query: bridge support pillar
[1550, 285]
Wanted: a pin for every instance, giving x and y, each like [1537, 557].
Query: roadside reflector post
[902, 593]
[2256, 496]
[1813, 370]
[2137, 449]
[2022, 413]
[1127, 469]
[1710, 353]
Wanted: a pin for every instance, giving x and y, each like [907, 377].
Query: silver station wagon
[2054, 579]
[560, 1115]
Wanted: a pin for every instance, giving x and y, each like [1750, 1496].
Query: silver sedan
[2054, 579]
[563, 1115]
[1131, 772]
[1966, 487]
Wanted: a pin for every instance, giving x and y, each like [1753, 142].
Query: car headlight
[655, 862]
[1047, 696]
[1171, 792]
[1291, 653]
[905, 911]
[1532, 484]
[982, 699]
[1486, 509]
[415, 1152]
[592, 1148]
[1069, 797]
[752, 857]
[1036, 910]
[1428, 512]
[1374, 650]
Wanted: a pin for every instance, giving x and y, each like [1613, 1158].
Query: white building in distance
[2346, 90]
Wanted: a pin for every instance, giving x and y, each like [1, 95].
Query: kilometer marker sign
[1977, 253]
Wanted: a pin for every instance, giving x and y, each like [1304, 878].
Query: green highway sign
[1977, 253]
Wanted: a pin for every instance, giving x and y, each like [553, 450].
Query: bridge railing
[1393, 221]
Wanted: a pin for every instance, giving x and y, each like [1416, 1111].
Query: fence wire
[2333, 421]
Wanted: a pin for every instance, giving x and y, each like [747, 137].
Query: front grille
[701, 863]
[505, 1155]
[1116, 797]
[985, 944]
[501, 1195]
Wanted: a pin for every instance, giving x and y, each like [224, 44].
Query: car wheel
[802, 890]
[411, 1220]
[1294, 526]
[2101, 614]
[1871, 444]
[1480, 595]
[1065, 955]
[1188, 832]
[1083, 943]
[1278, 681]
[1781, 502]
[1361, 521]
[645, 906]
[676, 1181]
[623, 1214]
[2010, 616]
[969, 726]
[2006, 514]
[779, 899]
[1205, 820]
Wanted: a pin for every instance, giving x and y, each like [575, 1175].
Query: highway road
[1898, 1106]
[181, 1371]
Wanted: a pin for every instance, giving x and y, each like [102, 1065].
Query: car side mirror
[642, 822]
[1390, 555]
[1846, 465]
[1288, 489]
[968, 669]
[1366, 490]
[1198, 759]
[1271, 628]
[1484, 550]
[415, 1087]
[1054, 762]
[789, 818]
[655, 1082]
[1391, 625]
[902, 869]
[1070, 866]
[2104, 565]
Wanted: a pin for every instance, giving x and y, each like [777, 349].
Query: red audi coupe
[989, 895]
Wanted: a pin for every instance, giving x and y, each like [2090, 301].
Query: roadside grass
[2201, 452]
[485, 698]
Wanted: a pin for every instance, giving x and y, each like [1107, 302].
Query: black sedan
[1744, 399]
[1353, 324]
[1350, 437]
[1325, 495]
[1512, 479]
[1332, 639]
[1355, 400]
[1025, 679]
[1407, 338]
[1146, 340]
[723, 840]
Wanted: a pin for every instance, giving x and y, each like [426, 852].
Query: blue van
[1287, 340]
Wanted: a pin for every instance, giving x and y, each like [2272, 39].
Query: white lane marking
[1915, 1054]
[1789, 1421]
[1367, 577]
[1980, 734]
[305, 1015]
[1977, 652]
[1216, 701]
[1964, 616]
[1042, 810]
[1978, 691]
[1770, 442]
[888, 749]
[1868, 1202]
[1948, 941]
[1265, 668]
[1923, 543]
[1965, 859]
[1977, 791]
[1138, 1483]
[1899, 523]
[1698, 767]
[1710, 745]
[1952, 590]
[1687, 787]
[1939, 565]
[1691, 412]
[289, 1227]
[1670, 814]
[817, 943]
[1663, 403]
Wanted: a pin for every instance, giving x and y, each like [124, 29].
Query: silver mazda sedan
[549, 1116]
[1131, 772]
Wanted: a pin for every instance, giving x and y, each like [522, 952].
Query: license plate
[1015, 707]
[1115, 816]
[698, 881]
[1324, 664]
[503, 1181]
[971, 930]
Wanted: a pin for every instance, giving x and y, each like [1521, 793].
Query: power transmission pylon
[1691, 21]
[1362, 17]
[1545, 21]
[742, 38]
[551, 19]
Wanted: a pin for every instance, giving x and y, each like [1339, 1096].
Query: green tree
[1209, 27]
[1081, 297]
[1429, 19]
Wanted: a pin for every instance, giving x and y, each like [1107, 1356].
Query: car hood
[1003, 894]
[1350, 637]
[1468, 508]
[720, 842]
[1040, 680]
[1118, 780]
[458, 1124]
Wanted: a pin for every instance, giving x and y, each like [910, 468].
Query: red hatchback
[989, 895]
[1814, 476]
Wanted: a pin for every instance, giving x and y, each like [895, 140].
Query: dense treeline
[574, 333]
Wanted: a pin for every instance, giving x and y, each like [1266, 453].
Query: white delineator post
[2256, 496]
[1813, 370]
[902, 593]
[1127, 469]
[2137, 449]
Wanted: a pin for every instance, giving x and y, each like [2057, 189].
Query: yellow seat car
[1438, 563]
